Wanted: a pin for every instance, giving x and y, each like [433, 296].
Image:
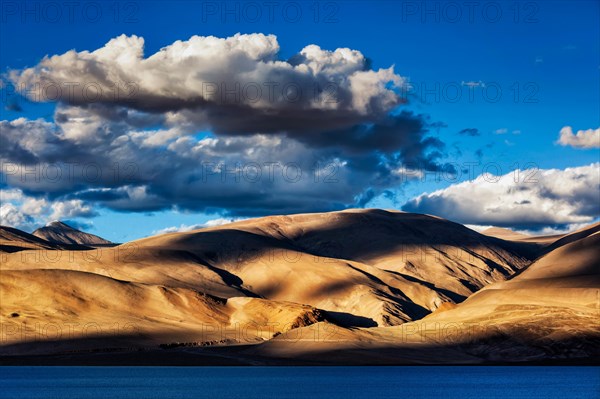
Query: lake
[300, 382]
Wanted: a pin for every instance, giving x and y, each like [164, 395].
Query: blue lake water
[299, 382]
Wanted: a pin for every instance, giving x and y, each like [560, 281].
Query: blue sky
[541, 58]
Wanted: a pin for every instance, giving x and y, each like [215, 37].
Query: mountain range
[351, 287]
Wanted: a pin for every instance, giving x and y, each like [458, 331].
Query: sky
[130, 118]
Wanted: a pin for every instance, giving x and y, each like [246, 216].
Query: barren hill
[364, 267]
[13, 240]
[61, 233]
[377, 278]
[550, 311]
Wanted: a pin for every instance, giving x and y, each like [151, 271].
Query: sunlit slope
[80, 310]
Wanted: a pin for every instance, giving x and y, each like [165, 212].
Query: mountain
[548, 312]
[357, 286]
[61, 233]
[363, 267]
[14, 240]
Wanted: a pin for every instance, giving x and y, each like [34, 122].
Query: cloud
[501, 131]
[546, 231]
[472, 83]
[221, 221]
[470, 132]
[543, 198]
[190, 227]
[28, 212]
[71, 209]
[172, 145]
[148, 170]
[583, 139]
[234, 85]
[11, 215]
[178, 229]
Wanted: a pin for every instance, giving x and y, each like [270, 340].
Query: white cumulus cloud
[200, 79]
[582, 139]
[538, 199]
[27, 213]
[189, 227]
